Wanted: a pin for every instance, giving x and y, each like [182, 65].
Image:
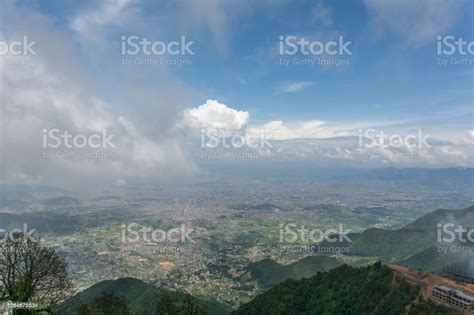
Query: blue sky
[391, 81]
[393, 73]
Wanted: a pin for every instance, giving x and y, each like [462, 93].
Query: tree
[84, 310]
[173, 303]
[31, 272]
[105, 304]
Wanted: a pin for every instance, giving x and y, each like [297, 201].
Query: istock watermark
[16, 48]
[309, 52]
[15, 52]
[9, 239]
[371, 138]
[55, 138]
[155, 53]
[213, 138]
[135, 232]
[308, 240]
[452, 233]
[138, 238]
[219, 145]
[17, 235]
[459, 50]
[75, 145]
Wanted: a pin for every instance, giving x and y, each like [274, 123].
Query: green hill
[344, 290]
[311, 265]
[429, 221]
[269, 273]
[416, 244]
[140, 298]
[387, 245]
[431, 260]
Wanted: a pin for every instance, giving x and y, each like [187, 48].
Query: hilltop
[140, 298]
[269, 273]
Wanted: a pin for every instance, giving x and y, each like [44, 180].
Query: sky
[239, 76]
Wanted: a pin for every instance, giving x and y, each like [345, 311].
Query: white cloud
[318, 141]
[469, 139]
[312, 129]
[50, 92]
[213, 114]
[292, 87]
[227, 122]
[416, 22]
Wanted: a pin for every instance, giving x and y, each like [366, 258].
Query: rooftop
[457, 292]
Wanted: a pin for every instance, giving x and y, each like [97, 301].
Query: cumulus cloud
[215, 115]
[54, 89]
[415, 22]
[319, 141]
[228, 121]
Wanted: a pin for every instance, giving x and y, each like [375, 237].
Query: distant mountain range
[426, 176]
[348, 151]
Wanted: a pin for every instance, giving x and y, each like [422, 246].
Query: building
[458, 276]
[453, 298]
